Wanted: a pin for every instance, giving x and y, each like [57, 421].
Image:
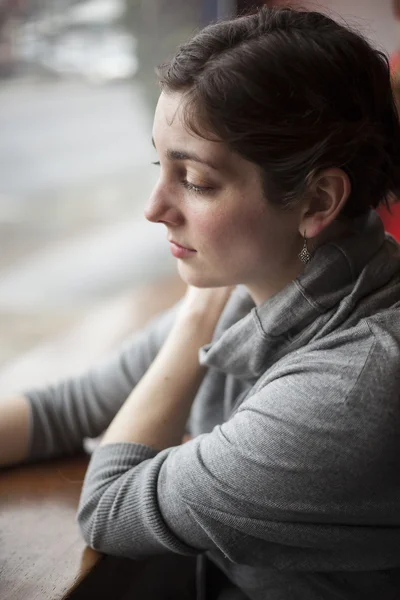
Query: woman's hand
[205, 303]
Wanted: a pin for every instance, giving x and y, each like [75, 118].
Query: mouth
[181, 246]
[180, 251]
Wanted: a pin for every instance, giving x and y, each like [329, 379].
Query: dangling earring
[305, 255]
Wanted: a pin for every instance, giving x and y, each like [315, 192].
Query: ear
[329, 190]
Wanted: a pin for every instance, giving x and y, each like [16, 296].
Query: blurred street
[75, 173]
[60, 134]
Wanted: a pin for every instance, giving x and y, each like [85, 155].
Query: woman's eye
[197, 189]
[192, 187]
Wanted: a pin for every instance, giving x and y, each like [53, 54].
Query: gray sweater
[291, 484]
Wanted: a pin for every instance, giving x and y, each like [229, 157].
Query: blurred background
[77, 95]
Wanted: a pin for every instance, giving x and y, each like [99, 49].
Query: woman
[277, 137]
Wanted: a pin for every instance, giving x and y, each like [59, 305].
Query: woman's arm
[54, 420]
[14, 430]
[307, 468]
[158, 408]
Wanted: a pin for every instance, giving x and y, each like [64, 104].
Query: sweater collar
[279, 325]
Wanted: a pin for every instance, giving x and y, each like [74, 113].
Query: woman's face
[212, 204]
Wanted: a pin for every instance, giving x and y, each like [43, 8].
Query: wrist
[203, 307]
[197, 322]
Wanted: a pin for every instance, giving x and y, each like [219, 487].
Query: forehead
[170, 132]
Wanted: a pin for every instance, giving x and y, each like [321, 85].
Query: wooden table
[42, 554]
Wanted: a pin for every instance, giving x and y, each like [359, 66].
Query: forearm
[14, 430]
[157, 410]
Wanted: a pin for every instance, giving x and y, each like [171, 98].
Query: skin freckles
[220, 212]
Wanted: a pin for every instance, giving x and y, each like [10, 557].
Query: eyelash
[197, 189]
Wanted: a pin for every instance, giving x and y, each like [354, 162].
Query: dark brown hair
[294, 92]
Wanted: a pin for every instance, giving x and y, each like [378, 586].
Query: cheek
[211, 227]
[243, 231]
[234, 241]
[247, 228]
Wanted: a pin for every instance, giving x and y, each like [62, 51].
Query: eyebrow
[182, 155]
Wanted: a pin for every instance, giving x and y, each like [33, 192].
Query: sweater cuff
[122, 454]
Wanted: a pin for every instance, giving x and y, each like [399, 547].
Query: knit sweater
[291, 484]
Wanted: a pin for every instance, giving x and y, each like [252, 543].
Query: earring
[305, 255]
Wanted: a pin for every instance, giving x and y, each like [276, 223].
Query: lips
[181, 246]
[181, 252]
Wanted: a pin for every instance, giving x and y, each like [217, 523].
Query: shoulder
[342, 391]
[352, 355]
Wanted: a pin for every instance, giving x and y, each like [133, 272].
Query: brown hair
[294, 92]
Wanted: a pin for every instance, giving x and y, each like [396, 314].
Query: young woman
[277, 137]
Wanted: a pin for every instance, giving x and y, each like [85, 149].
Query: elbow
[87, 520]
[94, 519]
[93, 523]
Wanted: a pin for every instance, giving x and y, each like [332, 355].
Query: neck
[263, 290]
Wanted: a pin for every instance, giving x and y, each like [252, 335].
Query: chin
[200, 280]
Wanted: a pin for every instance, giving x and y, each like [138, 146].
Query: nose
[160, 207]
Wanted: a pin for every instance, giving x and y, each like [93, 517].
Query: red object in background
[394, 62]
[391, 221]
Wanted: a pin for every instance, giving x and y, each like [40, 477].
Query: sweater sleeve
[308, 466]
[63, 414]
